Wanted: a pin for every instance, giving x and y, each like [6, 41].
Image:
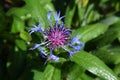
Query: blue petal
[40, 29]
[75, 39]
[53, 57]
[71, 53]
[78, 46]
[75, 44]
[49, 15]
[35, 29]
[61, 25]
[35, 46]
[57, 17]
[42, 53]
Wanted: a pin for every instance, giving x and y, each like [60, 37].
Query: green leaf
[90, 32]
[36, 12]
[110, 20]
[32, 10]
[85, 77]
[93, 16]
[75, 72]
[21, 13]
[17, 25]
[109, 54]
[88, 10]
[51, 73]
[106, 39]
[94, 65]
[21, 44]
[117, 29]
[69, 14]
[81, 11]
[37, 75]
[117, 70]
[25, 36]
[71, 71]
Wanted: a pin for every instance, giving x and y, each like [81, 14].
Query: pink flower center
[57, 38]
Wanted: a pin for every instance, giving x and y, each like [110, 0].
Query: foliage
[97, 24]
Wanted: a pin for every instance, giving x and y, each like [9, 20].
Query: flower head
[56, 36]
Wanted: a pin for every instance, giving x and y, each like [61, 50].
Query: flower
[56, 36]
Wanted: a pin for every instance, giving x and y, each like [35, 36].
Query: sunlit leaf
[110, 20]
[17, 25]
[89, 32]
[94, 65]
[51, 73]
[25, 36]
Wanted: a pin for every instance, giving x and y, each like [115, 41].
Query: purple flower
[57, 36]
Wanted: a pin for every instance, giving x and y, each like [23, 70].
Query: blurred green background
[97, 21]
